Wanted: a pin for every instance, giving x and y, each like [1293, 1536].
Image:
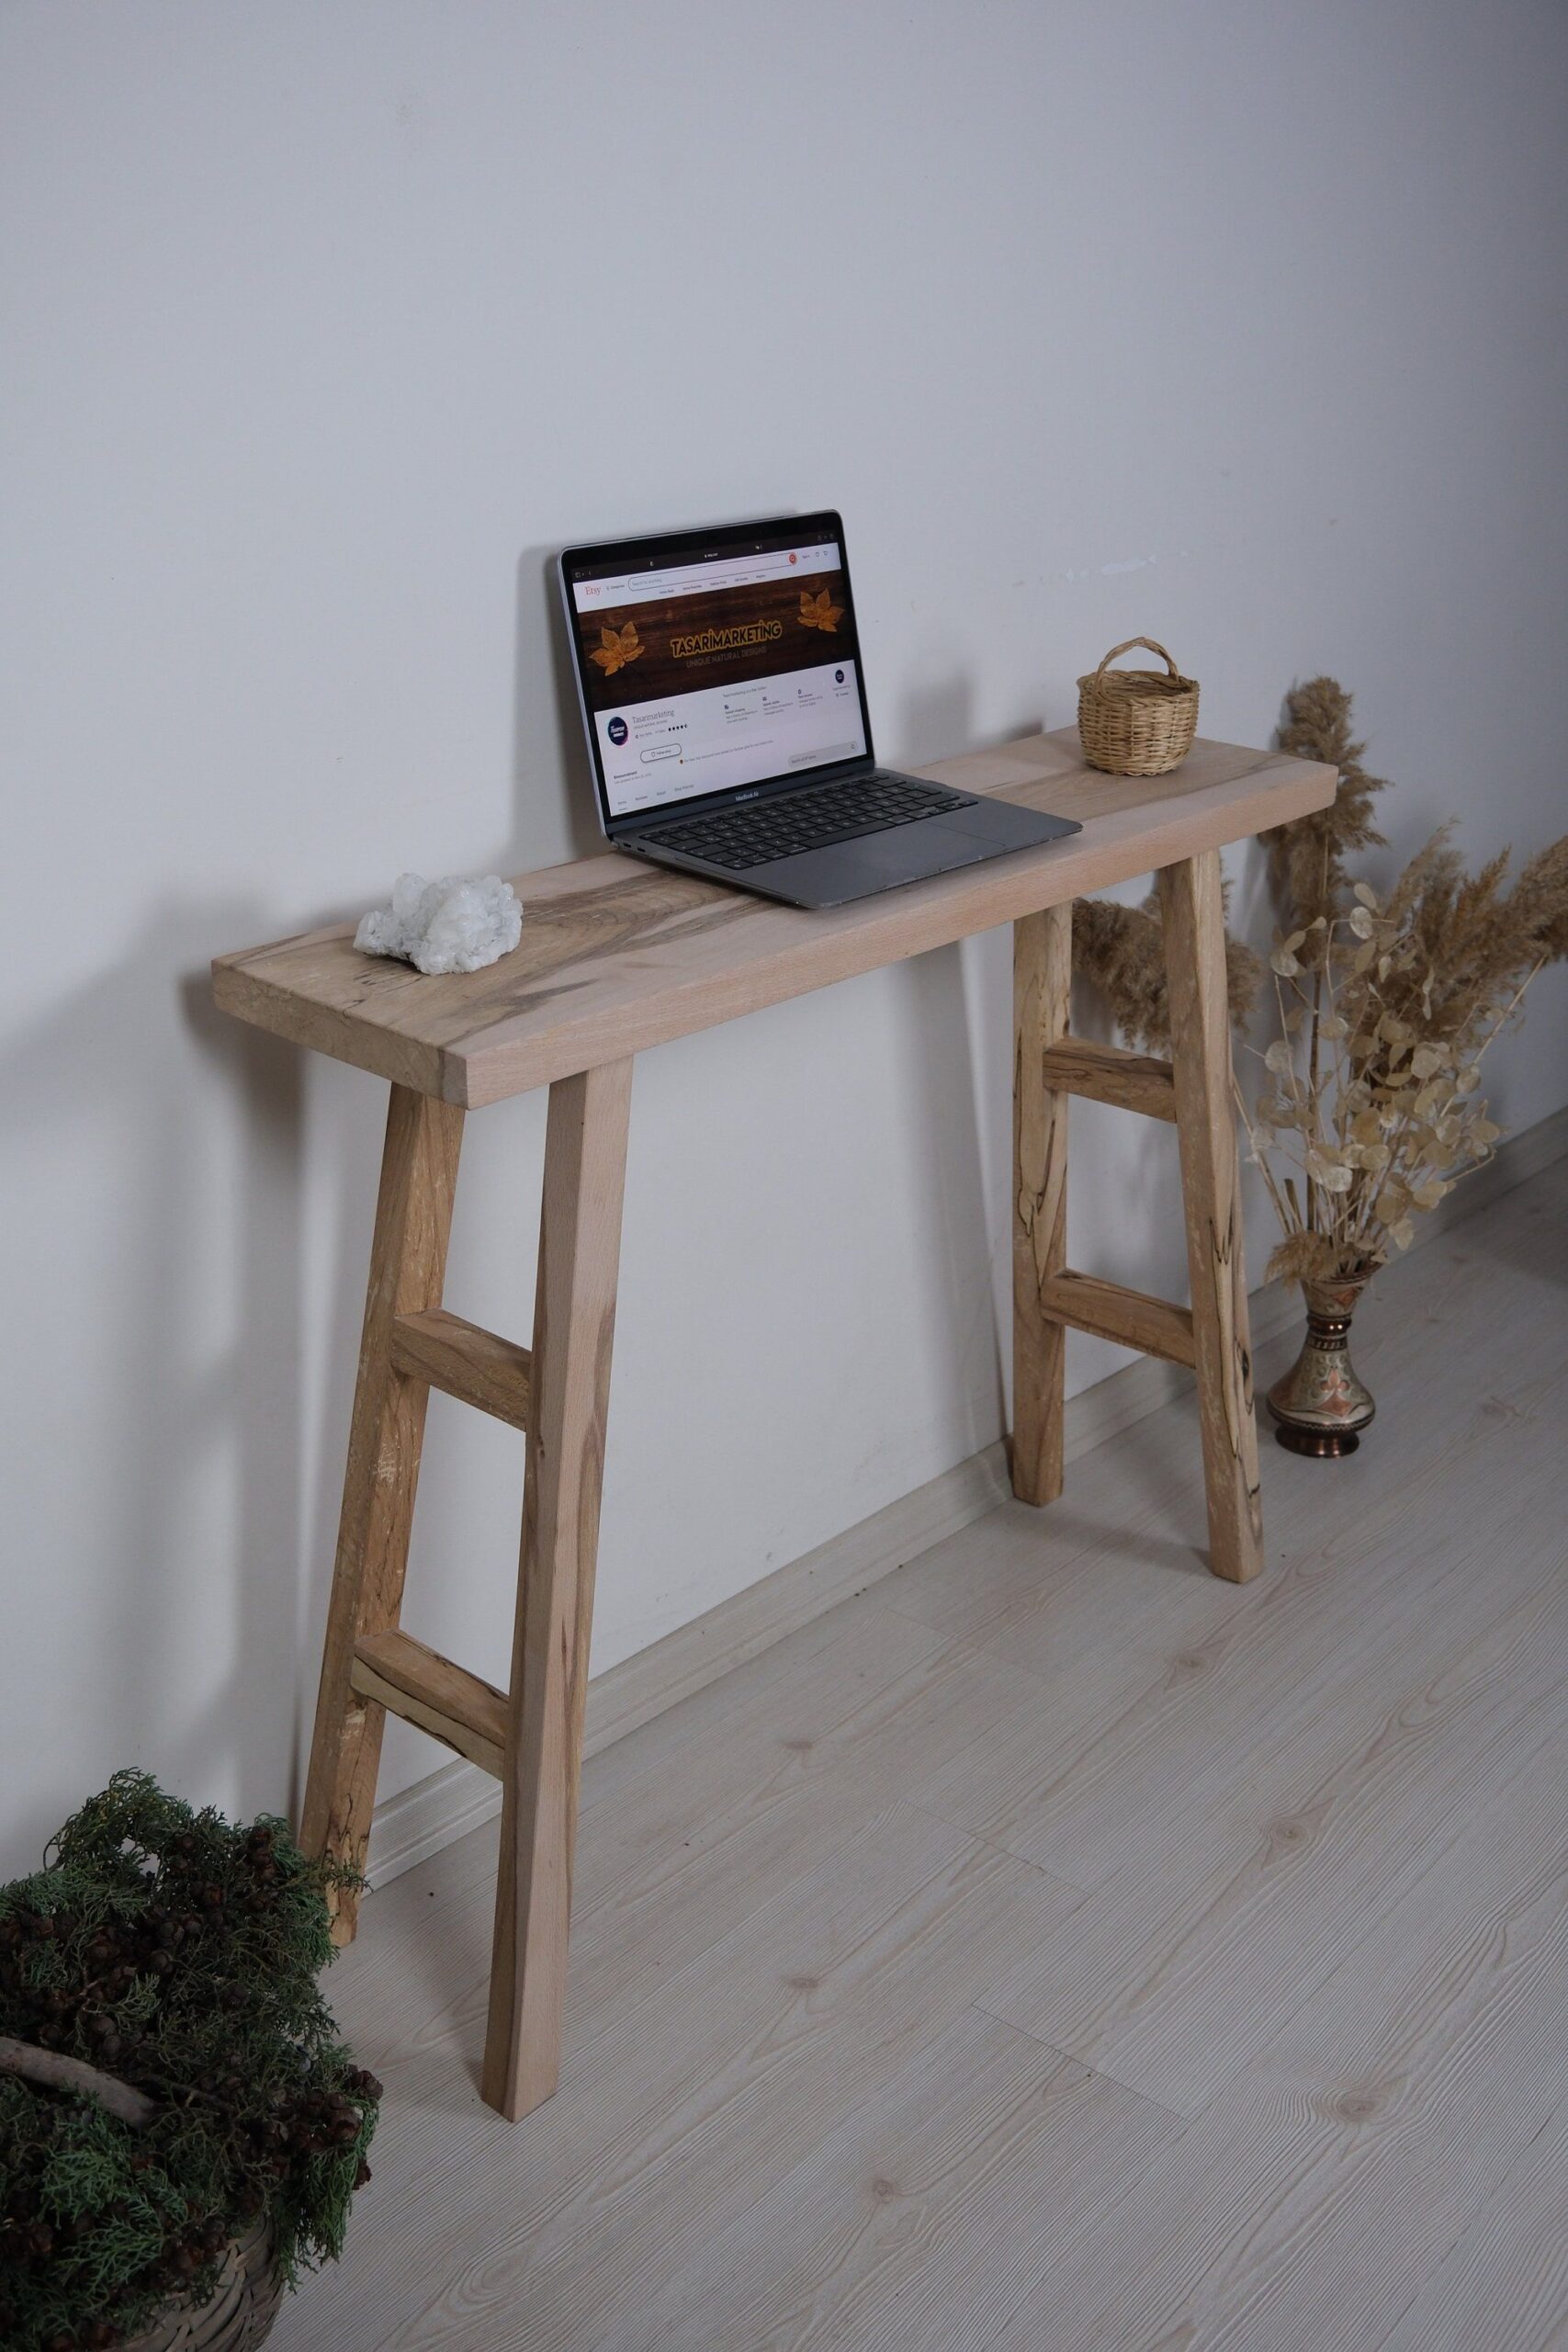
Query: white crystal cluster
[459, 924]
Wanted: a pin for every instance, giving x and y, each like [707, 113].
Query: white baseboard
[413, 1825]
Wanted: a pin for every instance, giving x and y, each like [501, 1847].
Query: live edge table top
[617, 955]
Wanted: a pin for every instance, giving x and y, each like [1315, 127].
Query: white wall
[327, 321]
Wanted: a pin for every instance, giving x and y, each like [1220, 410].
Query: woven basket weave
[240, 2314]
[1137, 722]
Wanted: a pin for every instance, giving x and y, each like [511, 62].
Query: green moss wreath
[169, 2074]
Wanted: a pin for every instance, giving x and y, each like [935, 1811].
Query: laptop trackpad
[909, 852]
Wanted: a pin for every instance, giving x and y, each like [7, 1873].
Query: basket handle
[1151, 647]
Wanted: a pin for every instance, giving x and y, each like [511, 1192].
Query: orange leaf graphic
[616, 648]
[819, 610]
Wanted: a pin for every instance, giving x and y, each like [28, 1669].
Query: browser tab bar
[706, 579]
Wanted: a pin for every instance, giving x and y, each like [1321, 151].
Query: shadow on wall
[548, 746]
[935, 721]
[964, 1205]
[149, 1414]
[965, 994]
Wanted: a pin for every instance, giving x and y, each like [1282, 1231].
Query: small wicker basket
[1137, 722]
[240, 2314]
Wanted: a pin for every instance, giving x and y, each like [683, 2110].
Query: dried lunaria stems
[1369, 1111]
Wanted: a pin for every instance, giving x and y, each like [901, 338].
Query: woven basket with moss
[181, 2132]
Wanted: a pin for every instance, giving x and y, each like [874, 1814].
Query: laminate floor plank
[664, 1883]
[1290, 1676]
[1054, 1948]
[673, 2119]
[927, 2216]
[1171, 1979]
[799, 1686]
[1307, 2204]
[1513, 2258]
[1120, 1554]
[639, 1823]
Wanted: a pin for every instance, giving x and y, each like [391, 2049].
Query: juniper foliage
[176, 1954]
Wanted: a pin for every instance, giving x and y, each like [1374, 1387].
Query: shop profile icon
[838, 677]
[617, 730]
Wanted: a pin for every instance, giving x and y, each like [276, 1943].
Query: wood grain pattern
[1308, 2203]
[1169, 1697]
[916, 2226]
[407, 1264]
[1163, 1977]
[667, 1862]
[1191, 1698]
[464, 1362]
[1512, 2258]
[1193, 908]
[1128, 1081]
[1041, 993]
[454, 1707]
[574, 1323]
[1131, 1317]
[742, 2061]
[617, 955]
[784, 2119]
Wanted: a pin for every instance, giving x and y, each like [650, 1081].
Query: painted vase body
[1320, 1407]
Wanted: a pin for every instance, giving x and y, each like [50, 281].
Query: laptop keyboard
[763, 830]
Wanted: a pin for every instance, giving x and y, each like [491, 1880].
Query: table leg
[408, 1263]
[574, 1320]
[1193, 916]
[1041, 989]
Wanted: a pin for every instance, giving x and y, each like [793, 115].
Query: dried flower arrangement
[1368, 1112]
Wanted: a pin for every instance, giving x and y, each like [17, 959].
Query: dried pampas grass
[1306, 859]
[1369, 1111]
[1121, 951]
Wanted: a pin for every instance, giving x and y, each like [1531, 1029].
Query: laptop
[725, 704]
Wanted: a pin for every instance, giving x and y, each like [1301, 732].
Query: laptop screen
[709, 666]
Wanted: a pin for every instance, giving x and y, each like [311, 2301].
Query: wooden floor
[1055, 1947]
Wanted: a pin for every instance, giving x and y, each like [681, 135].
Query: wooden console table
[615, 957]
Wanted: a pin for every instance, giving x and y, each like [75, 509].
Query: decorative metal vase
[1320, 1407]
